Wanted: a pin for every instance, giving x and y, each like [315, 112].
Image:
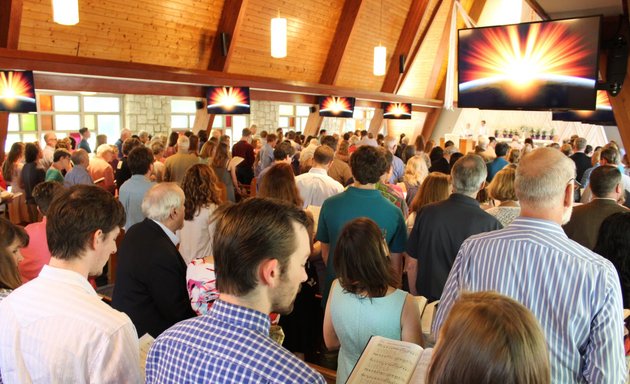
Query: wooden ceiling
[329, 41]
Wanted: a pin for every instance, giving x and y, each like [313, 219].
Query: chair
[252, 188]
[329, 375]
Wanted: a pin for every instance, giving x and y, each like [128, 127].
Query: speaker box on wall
[224, 43]
[199, 104]
[401, 64]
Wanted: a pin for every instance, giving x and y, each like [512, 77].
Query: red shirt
[36, 255]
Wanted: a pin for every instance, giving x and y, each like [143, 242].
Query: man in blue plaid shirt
[260, 250]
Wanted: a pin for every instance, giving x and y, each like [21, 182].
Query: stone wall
[265, 115]
[149, 113]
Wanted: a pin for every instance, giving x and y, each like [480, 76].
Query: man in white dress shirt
[315, 186]
[49, 150]
[55, 328]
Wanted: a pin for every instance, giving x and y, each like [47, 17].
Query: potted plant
[544, 135]
[538, 134]
[505, 132]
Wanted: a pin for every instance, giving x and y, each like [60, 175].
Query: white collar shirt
[55, 329]
[315, 186]
[171, 235]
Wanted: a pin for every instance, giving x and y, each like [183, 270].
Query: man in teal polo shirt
[361, 199]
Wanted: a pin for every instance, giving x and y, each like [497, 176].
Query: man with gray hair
[582, 162]
[177, 164]
[574, 293]
[398, 167]
[100, 169]
[151, 274]
[50, 138]
[79, 173]
[440, 229]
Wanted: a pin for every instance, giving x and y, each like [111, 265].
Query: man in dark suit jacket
[151, 275]
[605, 184]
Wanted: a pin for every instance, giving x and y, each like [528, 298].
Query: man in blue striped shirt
[574, 293]
[260, 251]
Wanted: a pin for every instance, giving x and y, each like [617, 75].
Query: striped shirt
[229, 345]
[573, 292]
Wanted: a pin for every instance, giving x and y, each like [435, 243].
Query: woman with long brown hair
[363, 301]
[12, 173]
[12, 238]
[225, 170]
[279, 183]
[435, 187]
[203, 196]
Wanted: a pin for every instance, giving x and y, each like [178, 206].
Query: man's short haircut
[501, 149]
[130, 144]
[323, 155]
[271, 137]
[346, 136]
[140, 160]
[83, 130]
[102, 149]
[368, 164]
[542, 176]
[482, 141]
[80, 156]
[580, 143]
[183, 143]
[390, 141]
[161, 199]
[468, 173]
[31, 151]
[48, 134]
[604, 179]
[449, 143]
[249, 233]
[246, 132]
[330, 141]
[610, 154]
[44, 193]
[282, 150]
[75, 214]
[60, 154]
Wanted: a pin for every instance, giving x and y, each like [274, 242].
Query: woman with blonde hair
[502, 189]
[12, 238]
[435, 187]
[363, 301]
[415, 172]
[489, 338]
[207, 151]
[514, 156]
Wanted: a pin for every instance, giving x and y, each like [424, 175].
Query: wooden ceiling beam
[112, 70]
[416, 49]
[230, 24]
[10, 21]
[538, 9]
[338, 45]
[405, 42]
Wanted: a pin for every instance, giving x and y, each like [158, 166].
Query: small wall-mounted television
[602, 115]
[228, 100]
[396, 110]
[336, 106]
[17, 91]
[532, 66]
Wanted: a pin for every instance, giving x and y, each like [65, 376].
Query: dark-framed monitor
[532, 66]
[336, 106]
[602, 115]
[17, 91]
[396, 111]
[228, 100]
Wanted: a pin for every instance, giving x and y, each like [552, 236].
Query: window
[183, 114]
[293, 117]
[66, 113]
[360, 120]
[231, 125]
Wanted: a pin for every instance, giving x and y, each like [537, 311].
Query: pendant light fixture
[278, 37]
[66, 12]
[380, 52]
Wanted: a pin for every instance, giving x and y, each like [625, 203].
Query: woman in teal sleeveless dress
[363, 301]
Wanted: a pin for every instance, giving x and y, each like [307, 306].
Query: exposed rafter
[339, 42]
[405, 41]
[538, 9]
[416, 49]
[229, 24]
[441, 55]
[433, 115]
[10, 20]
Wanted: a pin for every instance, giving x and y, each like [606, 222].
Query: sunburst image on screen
[397, 110]
[228, 100]
[542, 65]
[17, 92]
[336, 106]
[603, 113]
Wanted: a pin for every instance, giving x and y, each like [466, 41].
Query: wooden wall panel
[357, 65]
[311, 25]
[175, 32]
